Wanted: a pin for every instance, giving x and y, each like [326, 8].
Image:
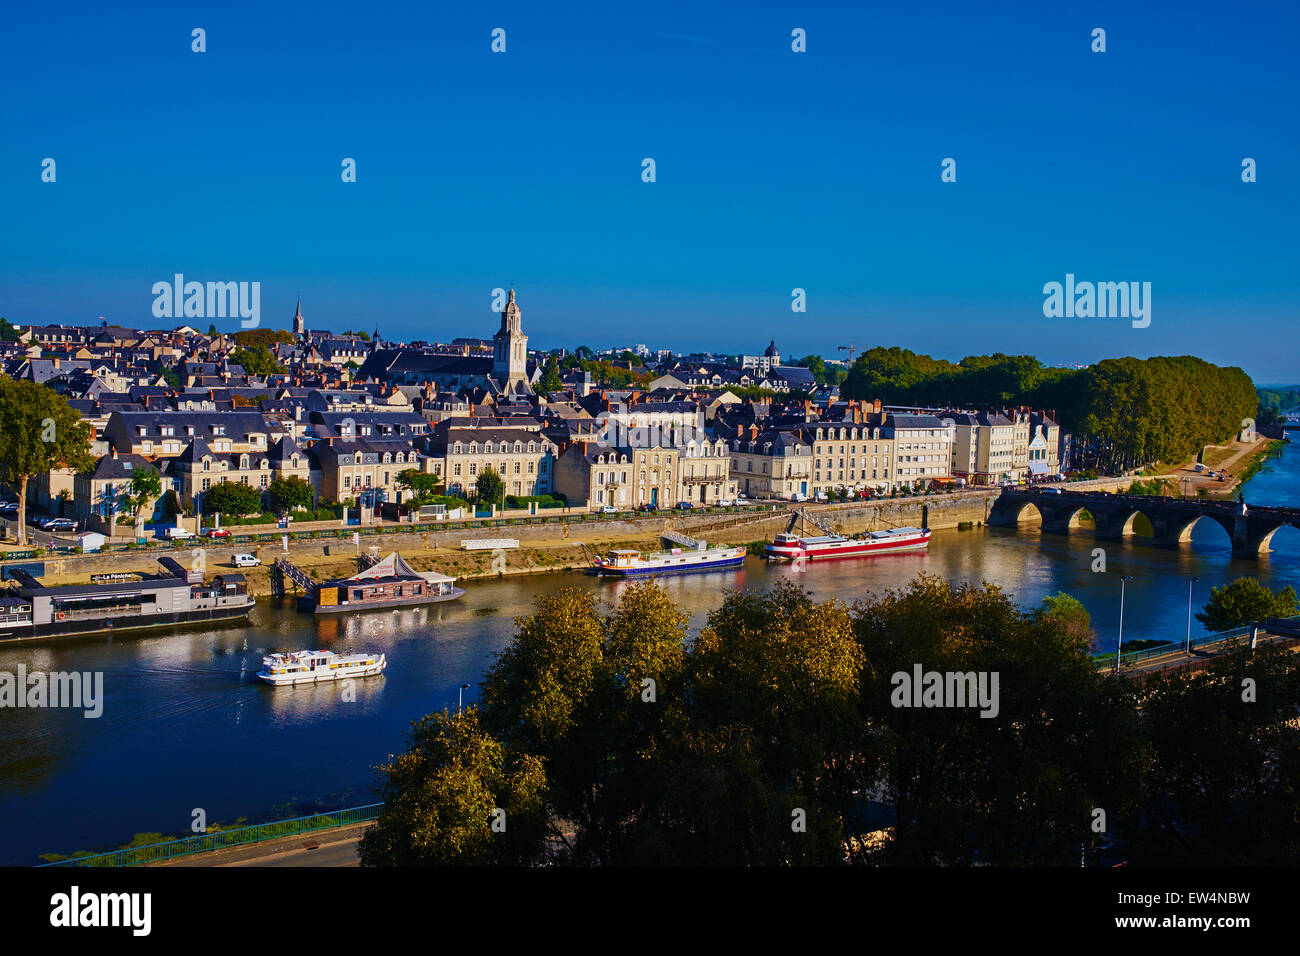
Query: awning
[1038, 467]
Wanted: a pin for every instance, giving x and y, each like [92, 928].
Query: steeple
[510, 349]
[299, 326]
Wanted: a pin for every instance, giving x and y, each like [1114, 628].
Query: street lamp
[1119, 648]
[460, 696]
[1189, 614]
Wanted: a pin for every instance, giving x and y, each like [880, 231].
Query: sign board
[489, 544]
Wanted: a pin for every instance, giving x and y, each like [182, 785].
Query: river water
[185, 725]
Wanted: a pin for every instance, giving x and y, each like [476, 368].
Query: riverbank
[544, 548]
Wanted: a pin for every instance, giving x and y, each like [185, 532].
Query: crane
[848, 348]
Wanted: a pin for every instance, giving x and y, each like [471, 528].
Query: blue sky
[775, 170]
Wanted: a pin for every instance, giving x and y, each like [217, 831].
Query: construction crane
[848, 348]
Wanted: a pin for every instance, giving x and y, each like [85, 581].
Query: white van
[177, 534]
[245, 560]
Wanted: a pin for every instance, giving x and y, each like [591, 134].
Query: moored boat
[793, 547]
[829, 545]
[690, 555]
[310, 667]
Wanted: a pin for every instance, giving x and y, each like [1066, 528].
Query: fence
[1217, 637]
[224, 839]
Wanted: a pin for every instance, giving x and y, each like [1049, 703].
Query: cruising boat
[689, 555]
[309, 667]
[793, 547]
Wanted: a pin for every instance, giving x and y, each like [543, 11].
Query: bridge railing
[224, 839]
[1215, 637]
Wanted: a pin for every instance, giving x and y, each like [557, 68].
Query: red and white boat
[793, 547]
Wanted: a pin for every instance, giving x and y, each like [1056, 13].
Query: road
[1201, 656]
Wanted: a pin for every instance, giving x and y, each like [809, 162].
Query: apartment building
[522, 456]
[776, 462]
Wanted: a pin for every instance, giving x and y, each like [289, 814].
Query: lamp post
[460, 697]
[1189, 615]
[1119, 648]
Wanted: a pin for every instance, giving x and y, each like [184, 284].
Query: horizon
[775, 171]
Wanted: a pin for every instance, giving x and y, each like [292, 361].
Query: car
[245, 561]
[177, 534]
[798, 496]
[684, 506]
[216, 533]
[724, 502]
[58, 524]
[647, 507]
[1051, 491]
[609, 510]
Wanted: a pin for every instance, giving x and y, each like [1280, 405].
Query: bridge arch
[1290, 538]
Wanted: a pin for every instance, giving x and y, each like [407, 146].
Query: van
[245, 560]
[177, 534]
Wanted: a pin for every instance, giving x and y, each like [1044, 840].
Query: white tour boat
[308, 667]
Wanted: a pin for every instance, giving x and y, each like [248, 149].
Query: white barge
[690, 555]
[310, 667]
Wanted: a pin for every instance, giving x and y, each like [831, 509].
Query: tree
[550, 380]
[1016, 787]
[259, 360]
[39, 432]
[421, 484]
[7, 332]
[1223, 780]
[1244, 601]
[232, 498]
[489, 488]
[289, 493]
[146, 489]
[444, 795]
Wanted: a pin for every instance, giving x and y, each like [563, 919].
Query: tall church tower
[299, 326]
[510, 350]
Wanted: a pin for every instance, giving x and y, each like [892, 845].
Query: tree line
[779, 737]
[1122, 412]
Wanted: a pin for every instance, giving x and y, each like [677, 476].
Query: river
[185, 726]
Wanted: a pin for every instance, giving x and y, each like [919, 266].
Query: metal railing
[1215, 637]
[224, 839]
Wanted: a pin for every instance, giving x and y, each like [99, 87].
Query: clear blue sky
[775, 170]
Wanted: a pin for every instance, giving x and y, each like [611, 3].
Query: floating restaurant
[174, 596]
[390, 582]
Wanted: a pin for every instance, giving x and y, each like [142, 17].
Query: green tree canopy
[289, 492]
[232, 498]
[550, 380]
[1244, 601]
[258, 360]
[39, 432]
[489, 487]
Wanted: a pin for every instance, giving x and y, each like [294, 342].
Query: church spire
[299, 326]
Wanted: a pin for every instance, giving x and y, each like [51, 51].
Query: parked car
[216, 532]
[798, 496]
[1052, 491]
[724, 502]
[647, 507]
[58, 524]
[177, 534]
[684, 506]
[245, 560]
[609, 510]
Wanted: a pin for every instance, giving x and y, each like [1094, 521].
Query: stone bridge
[1250, 527]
